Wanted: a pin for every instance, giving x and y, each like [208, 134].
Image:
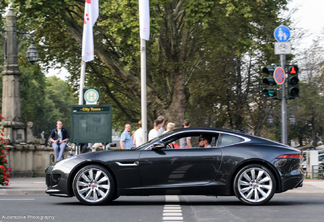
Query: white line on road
[173, 218]
[172, 212]
[173, 208]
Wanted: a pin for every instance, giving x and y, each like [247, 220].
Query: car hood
[110, 155]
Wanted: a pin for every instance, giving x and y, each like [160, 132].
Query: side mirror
[158, 145]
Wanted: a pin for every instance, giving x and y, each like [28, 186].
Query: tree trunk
[176, 110]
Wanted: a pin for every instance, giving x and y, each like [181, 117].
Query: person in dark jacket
[59, 137]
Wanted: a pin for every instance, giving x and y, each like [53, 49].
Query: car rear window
[226, 140]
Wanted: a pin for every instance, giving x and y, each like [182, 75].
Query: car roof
[250, 137]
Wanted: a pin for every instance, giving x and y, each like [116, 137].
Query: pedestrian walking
[185, 142]
[162, 120]
[170, 127]
[154, 132]
[126, 141]
[138, 135]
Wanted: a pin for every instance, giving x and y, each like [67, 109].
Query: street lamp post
[32, 54]
[11, 105]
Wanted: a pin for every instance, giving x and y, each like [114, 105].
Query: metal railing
[318, 172]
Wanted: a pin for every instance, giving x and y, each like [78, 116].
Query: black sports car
[219, 163]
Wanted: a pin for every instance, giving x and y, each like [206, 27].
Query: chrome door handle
[127, 164]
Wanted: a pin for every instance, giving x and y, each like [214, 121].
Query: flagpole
[82, 77]
[143, 90]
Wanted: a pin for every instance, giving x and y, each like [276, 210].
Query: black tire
[254, 184]
[94, 185]
[115, 197]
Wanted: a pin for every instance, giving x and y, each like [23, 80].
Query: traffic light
[271, 89]
[293, 86]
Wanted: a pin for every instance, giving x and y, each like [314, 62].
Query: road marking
[172, 212]
[17, 199]
[173, 218]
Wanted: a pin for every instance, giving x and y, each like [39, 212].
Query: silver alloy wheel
[93, 185]
[255, 184]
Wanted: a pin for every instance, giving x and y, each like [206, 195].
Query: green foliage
[44, 100]
[308, 107]
[207, 54]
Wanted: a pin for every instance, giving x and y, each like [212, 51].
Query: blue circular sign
[91, 96]
[282, 34]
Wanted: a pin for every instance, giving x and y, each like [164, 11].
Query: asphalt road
[283, 207]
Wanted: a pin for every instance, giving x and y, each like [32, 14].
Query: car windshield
[144, 144]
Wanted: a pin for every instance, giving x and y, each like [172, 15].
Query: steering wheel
[170, 146]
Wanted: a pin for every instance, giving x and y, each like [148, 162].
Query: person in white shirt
[170, 127]
[161, 130]
[154, 132]
[138, 135]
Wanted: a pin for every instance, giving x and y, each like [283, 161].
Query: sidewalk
[310, 186]
[23, 186]
[36, 185]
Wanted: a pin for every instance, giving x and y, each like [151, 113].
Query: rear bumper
[291, 182]
[290, 172]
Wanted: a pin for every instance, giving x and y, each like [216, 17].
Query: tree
[308, 107]
[178, 46]
[231, 77]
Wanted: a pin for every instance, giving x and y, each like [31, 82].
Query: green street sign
[91, 124]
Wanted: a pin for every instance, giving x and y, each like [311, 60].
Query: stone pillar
[11, 105]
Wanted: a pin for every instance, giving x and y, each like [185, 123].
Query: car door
[179, 167]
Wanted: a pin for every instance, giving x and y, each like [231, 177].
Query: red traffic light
[293, 69]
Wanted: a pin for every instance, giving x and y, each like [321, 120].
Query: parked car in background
[320, 158]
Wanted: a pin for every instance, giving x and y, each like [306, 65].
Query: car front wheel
[94, 185]
[254, 184]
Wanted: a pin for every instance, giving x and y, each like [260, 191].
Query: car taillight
[290, 156]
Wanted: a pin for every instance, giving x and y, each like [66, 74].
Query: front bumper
[58, 177]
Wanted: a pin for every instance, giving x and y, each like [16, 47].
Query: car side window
[226, 140]
[181, 141]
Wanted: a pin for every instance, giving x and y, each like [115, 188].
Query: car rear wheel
[94, 185]
[254, 184]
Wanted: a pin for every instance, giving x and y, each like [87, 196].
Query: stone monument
[11, 105]
[26, 155]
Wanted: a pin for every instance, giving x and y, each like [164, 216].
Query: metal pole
[82, 76]
[143, 90]
[283, 105]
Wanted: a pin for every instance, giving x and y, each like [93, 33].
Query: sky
[309, 17]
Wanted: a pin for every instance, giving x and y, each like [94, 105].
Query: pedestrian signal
[293, 86]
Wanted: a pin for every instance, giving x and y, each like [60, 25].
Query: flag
[91, 13]
[144, 17]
